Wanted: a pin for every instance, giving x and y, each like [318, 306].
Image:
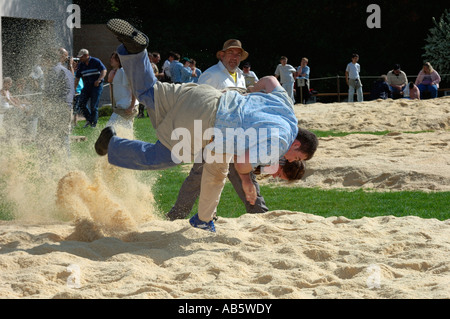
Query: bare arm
[100, 79]
[267, 83]
[243, 167]
[131, 107]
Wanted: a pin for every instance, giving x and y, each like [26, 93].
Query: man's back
[175, 71]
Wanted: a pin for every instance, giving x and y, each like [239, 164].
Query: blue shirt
[175, 71]
[198, 72]
[79, 87]
[186, 75]
[264, 121]
[301, 70]
[90, 72]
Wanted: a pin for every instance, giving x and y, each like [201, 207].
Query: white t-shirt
[353, 70]
[4, 105]
[121, 89]
[285, 73]
[166, 68]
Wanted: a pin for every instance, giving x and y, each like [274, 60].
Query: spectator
[155, 57]
[187, 74]
[397, 80]
[303, 73]
[249, 75]
[285, 73]
[226, 72]
[64, 66]
[37, 75]
[380, 89]
[196, 71]
[93, 73]
[353, 80]
[175, 69]
[414, 92]
[17, 114]
[56, 110]
[8, 100]
[166, 67]
[76, 101]
[123, 101]
[428, 80]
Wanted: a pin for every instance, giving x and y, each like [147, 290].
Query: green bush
[105, 110]
[437, 49]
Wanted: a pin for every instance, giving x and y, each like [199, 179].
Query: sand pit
[279, 254]
[109, 247]
[381, 115]
[396, 161]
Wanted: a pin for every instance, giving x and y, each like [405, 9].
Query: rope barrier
[40, 93]
[363, 77]
[339, 93]
[31, 94]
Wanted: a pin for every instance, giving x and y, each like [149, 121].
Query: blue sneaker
[196, 222]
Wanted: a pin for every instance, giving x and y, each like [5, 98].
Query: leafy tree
[437, 49]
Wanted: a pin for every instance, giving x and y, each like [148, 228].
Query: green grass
[350, 204]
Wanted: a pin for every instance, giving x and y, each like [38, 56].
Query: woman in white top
[123, 101]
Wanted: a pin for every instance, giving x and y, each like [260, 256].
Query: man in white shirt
[166, 66]
[123, 101]
[285, 73]
[224, 74]
[353, 80]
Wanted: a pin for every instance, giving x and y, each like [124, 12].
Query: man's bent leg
[139, 72]
[213, 180]
[139, 155]
[188, 194]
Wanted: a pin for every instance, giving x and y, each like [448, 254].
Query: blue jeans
[134, 154]
[394, 90]
[139, 72]
[432, 88]
[352, 89]
[91, 95]
[139, 155]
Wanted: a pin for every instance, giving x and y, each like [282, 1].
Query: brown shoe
[101, 145]
[134, 40]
